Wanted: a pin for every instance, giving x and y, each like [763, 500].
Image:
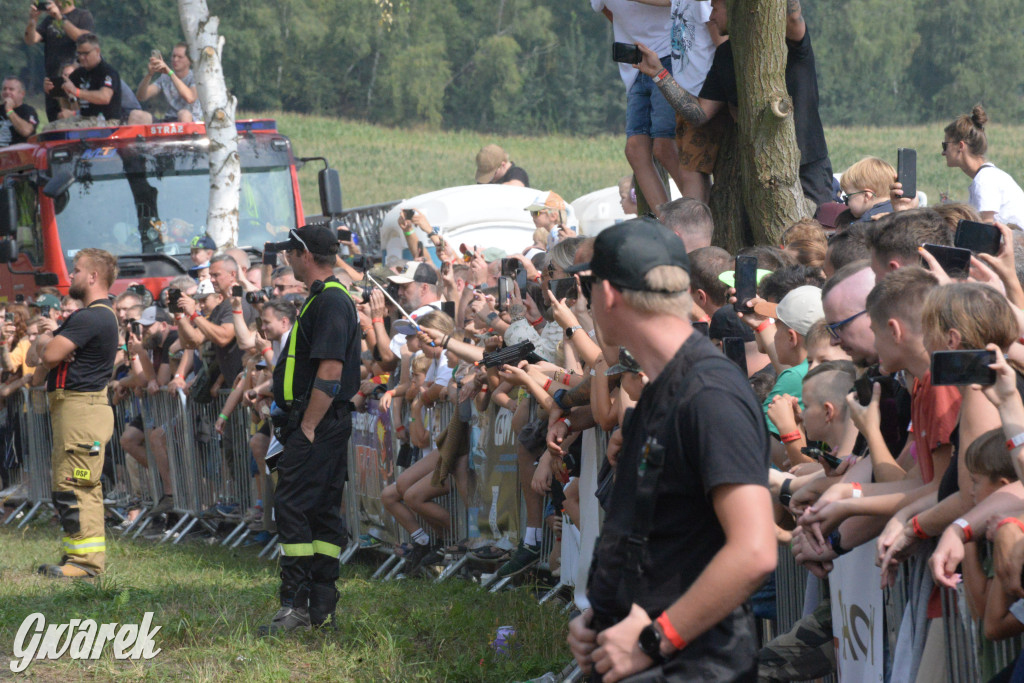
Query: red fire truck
[141, 193]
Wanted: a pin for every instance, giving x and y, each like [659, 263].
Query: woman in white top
[992, 192]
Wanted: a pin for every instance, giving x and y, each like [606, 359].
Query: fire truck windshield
[152, 197]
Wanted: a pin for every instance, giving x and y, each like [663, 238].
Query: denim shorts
[647, 111]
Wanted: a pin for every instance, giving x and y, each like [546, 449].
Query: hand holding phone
[745, 277]
[564, 288]
[954, 260]
[963, 367]
[906, 171]
[626, 53]
[237, 291]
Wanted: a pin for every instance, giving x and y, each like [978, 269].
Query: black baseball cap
[625, 253]
[725, 323]
[316, 239]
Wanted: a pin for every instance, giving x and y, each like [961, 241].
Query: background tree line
[543, 66]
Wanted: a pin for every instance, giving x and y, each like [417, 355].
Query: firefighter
[314, 381]
[79, 356]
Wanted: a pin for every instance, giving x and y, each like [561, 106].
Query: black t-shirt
[713, 435]
[162, 353]
[801, 83]
[58, 48]
[513, 173]
[103, 76]
[328, 329]
[93, 330]
[8, 134]
[229, 357]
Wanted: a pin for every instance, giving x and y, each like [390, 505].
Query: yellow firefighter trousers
[82, 424]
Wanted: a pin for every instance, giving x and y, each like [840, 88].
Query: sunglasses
[835, 328]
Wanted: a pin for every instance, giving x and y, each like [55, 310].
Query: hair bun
[978, 117]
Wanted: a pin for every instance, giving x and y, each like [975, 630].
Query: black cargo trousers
[307, 509]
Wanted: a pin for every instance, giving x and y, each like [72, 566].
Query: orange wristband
[763, 326]
[1010, 520]
[918, 531]
[670, 632]
[794, 435]
[547, 384]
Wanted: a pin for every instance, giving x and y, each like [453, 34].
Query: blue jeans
[647, 111]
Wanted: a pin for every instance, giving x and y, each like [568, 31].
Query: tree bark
[768, 153]
[205, 47]
[732, 226]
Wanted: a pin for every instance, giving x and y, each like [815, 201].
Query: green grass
[380, 164]
[209, 602]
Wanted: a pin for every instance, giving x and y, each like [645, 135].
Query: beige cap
[800, 309]
[547, 201]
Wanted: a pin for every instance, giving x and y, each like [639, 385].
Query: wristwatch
[569, 331]
[650, 643]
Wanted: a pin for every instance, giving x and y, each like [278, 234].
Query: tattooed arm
[695, 110]
[795, 26]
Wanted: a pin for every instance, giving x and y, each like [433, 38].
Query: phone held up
[745, 281]
[963, 367]
[626, 53]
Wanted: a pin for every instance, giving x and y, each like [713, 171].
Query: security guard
[314, 381]
[80, 358]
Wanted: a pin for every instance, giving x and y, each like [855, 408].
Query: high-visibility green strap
[289, 361]
[297, 549]
[325, 548]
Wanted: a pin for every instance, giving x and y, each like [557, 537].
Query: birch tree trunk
[768, 153]
[205, 47]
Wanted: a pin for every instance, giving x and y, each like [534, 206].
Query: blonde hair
[806, 239]
[421, 363]
[671, 298]
[816, 334]
[104, 262]
[870, 173]
[438, 320]
[979, 313]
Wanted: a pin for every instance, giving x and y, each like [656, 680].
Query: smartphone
[445, 267]
[735, 350]
[136, 328]
[564, 288]
[8, 317]
[156, 54]
[864, 387]
[504, 293]
[44, 311]
[746, 281]
[139, 290]
[981, 238]
[954, 260]
[960, 368]
[173, 295]
[626, 53]
[906, 171]
[359, 262]
[408, 214]
[817, 453]
[19, 298]
[344, 235]
[236, 290]
[448, 307]
[702, 328]
[509, 267]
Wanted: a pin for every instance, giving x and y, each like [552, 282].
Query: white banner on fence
[857, 615]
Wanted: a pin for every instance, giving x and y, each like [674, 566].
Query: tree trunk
[205, 48]
[769, 156]
[732, 226]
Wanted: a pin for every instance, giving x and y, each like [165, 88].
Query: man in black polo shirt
[315, 378]
[689, 533]
[720, 90]
[95, 84]
[80, 359]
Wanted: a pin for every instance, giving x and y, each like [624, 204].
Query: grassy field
[379, 164]
[209, 602]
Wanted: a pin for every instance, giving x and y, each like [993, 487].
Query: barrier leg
[241, 537]
[31, 513]
[496, 587]
[14, 513]
[170, 532]
[268, 546]
[552, 593]
[353, 546]
[385, 566]
[230, 537]
[192, 522]
[452, 568]
[394, 570]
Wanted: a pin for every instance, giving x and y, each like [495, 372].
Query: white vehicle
[484, 215]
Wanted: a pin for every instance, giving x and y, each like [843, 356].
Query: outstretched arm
[695, 110]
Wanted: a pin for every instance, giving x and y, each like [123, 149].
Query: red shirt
[934, 413]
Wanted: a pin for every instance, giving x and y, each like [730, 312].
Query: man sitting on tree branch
[720, 89]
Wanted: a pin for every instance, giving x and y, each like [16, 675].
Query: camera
[42, 5]
[236, 290]
[260, 296]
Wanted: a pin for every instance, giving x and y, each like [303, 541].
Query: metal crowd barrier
[37, 439]
[11, 451]
[366, 222]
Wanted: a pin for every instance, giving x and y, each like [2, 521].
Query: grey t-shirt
[175, 102]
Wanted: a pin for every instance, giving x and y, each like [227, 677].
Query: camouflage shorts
[806, 652]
